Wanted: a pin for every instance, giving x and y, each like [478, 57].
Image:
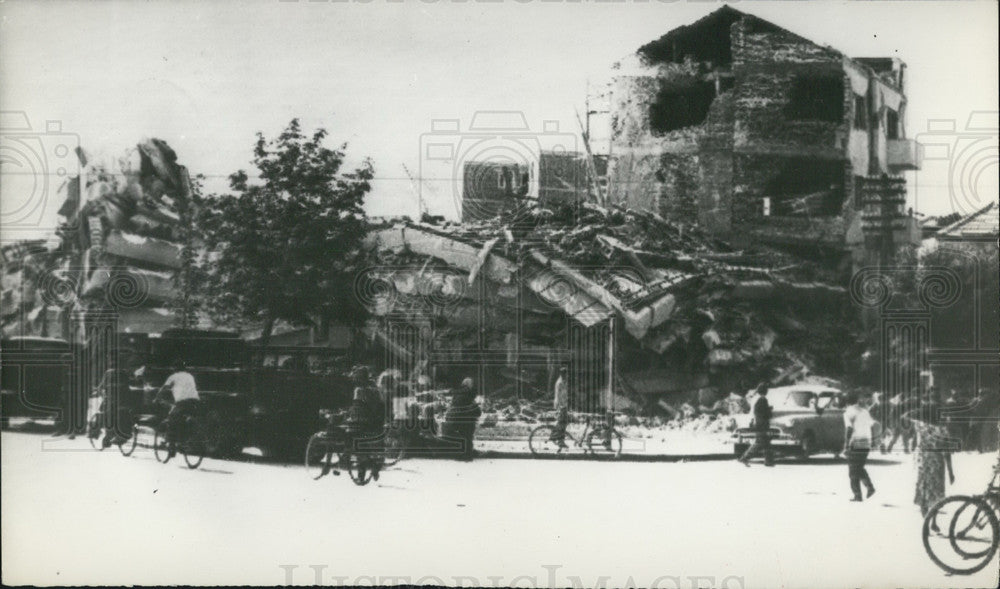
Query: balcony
[903, 155]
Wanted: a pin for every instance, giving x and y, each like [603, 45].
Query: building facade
[760, 135]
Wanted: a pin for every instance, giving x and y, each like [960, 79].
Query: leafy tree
[288, 244]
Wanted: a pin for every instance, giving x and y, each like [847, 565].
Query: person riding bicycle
[116, 405]
[186, 403]
[366, 416]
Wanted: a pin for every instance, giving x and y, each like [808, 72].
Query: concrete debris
[121, 243]
[686, 301]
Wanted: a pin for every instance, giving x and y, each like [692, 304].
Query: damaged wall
[737, 124]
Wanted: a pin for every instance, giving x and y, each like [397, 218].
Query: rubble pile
[121, 242]
[29, 304]
[699, 314]
[128, 229]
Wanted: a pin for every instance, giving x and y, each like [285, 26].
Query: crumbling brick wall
[780, 103]
[683, 174]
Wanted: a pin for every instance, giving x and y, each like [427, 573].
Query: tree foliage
[287, 244]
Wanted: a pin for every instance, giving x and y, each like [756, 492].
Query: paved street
[73, 515]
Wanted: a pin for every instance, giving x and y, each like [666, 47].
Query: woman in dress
[933, 453]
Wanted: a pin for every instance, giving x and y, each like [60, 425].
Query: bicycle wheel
[961, 511]
[194, 447]
[395, 447]
[321, 455]
[597, 444]
[541, 442]
[127, 447]
[360, 468]
[160, 447]
[94, 432]
[973, 532]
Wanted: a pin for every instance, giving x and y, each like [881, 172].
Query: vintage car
[807, 419]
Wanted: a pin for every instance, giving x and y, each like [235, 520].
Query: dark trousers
[119, 418]
[856, 459]
[177, 419]
[562, 420]
[761, 444]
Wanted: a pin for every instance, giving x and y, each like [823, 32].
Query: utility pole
[421, 208]
[610, 397]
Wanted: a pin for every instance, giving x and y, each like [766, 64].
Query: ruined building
[492, 187]
[762, 136]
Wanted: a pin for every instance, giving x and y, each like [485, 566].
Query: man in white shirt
[560, 403]
[858, 426]
[186, 402]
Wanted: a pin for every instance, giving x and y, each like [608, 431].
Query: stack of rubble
[125, 224]
[30, 296]
[699, 314]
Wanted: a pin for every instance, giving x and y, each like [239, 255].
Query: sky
[207, 76]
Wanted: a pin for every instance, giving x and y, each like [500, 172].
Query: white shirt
[561, 400]
[182, 386]
[860, 421]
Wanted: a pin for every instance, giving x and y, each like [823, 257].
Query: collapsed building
[617, 295]
[750, 172]
[490, 188]
[122, 243]
[761, 136]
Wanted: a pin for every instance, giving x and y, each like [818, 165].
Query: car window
[803, 399]
[830, 399]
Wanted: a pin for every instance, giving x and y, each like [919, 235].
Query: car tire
[807, 445]
[740, 449]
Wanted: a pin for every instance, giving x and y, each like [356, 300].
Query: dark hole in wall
[891, 124]
[860, 112]
[807, 188]
[816, 98]
[681, 104]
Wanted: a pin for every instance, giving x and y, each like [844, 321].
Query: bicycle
[973, 529]
[545, 440]
[153, 422]
[333, 448]
[192, 446]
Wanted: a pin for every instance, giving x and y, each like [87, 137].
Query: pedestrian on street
[933, 453]
[561, 404]
[899, 406]
[858, 435]
[762, 427]
[461, 418]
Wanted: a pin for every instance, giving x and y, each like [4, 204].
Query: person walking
[933, 454]
[858, 434]
[561, 405]
[762, 427]
[461, 417]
